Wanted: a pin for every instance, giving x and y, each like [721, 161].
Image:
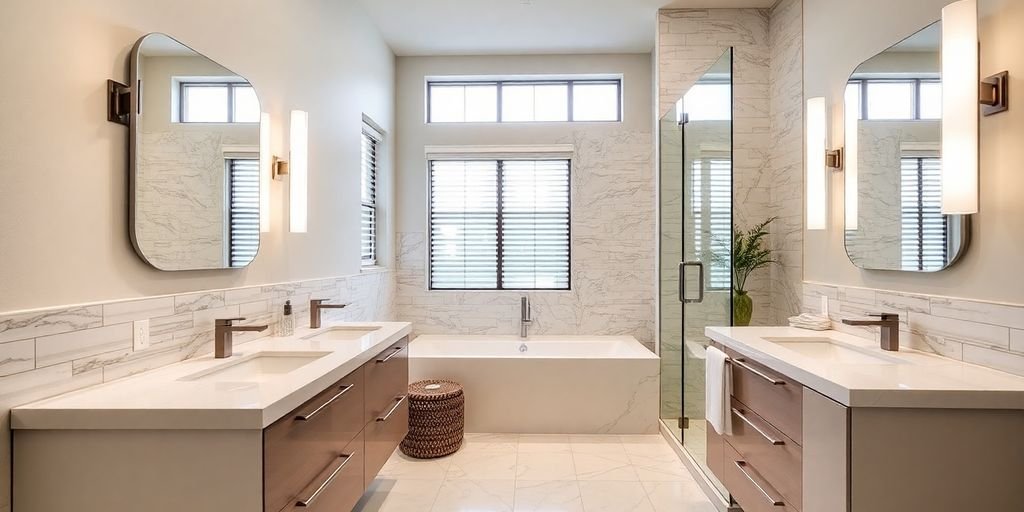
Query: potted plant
[749, 253]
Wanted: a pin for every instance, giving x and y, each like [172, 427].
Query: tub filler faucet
[525, 318]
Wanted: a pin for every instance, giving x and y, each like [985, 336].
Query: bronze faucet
[223, 331]
[890, 327]
[315, 307]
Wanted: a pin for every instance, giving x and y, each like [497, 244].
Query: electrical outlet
[140, 335]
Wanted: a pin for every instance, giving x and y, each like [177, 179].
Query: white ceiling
[494, 27]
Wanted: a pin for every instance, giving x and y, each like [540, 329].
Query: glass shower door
[696, 239]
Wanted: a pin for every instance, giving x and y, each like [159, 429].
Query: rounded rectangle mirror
[194, 159]
[894, 161]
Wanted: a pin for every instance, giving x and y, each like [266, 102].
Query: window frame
[499, 224]
[570, 83]
[377, 139]
[862, 95]
[231, 86]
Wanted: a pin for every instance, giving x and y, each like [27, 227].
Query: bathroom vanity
[298, 423]
[828, 422]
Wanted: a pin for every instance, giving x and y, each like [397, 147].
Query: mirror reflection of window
[223, 102]
[708, 101]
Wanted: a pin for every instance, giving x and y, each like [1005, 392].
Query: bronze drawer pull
[394, 408]
[739, 414]
[742, 364]
[771, 500]
[305, 502]
[308, 416]
[393, 354]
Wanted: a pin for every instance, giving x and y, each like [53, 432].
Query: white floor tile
[545, 466]
[548, 496]
[614, 497]
[475, 496]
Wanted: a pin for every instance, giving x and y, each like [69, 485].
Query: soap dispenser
[287, 320]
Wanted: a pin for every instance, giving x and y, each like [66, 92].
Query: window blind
[924, 242]
[499, 224]
[368, 220]
[243, 210]
[711, 208]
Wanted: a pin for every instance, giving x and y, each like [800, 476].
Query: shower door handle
[700, 282]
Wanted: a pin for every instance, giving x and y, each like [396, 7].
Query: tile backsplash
[51, 351]
[984, 333]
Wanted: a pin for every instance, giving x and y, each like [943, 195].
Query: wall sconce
[960, 106]
[851, 145]
[298, 169]
[817, 183]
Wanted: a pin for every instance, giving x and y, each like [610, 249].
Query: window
[515, 101]
[371, 141]
[882, 99]
[218, 102]
[711, 206]
[707, 101]
[243, 210]
[924, 242]
[499, 225]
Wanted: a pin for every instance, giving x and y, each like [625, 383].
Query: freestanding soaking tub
[546, 384]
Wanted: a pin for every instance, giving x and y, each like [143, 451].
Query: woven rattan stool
[436, 419]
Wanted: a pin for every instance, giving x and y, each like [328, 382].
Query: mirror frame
[960, 222]
[133, 99]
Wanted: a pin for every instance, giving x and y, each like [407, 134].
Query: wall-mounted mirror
[195, 159]
[894, 161]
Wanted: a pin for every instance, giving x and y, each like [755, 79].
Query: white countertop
[919, 380]
[158, 399]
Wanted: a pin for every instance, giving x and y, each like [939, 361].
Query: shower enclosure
[695, 275]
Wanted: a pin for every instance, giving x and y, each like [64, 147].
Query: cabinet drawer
[383, 434]
[715, 452]
[387, 377]
[297, 447]
[338, 485]
[749, 488]
[773, 454]
[774, 397]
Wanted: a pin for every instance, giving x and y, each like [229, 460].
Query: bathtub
[546, 384]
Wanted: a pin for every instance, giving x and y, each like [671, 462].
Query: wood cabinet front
[338, 486]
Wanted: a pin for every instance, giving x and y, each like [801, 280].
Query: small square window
[890, 100]
[205, 103]
[595, 102]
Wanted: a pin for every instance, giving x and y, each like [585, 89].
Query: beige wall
[612, 190]
[987, 270]
[63, 210]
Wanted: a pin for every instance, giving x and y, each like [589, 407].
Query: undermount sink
[342, 333]
[258, 367]
[827, 349]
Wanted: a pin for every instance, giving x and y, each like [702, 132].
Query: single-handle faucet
[890, 326]
[525, 317]
[223, 340]
[316, 306]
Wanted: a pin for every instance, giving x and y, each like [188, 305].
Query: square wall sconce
[298, 170]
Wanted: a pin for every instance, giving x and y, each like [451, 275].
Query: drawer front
[771, 395]
[297, 447]
[776, 457]
[338, 485]
[383, 434]
[749, 488]
[387, 377]
[715, 452]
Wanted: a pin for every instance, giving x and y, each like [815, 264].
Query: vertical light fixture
[298, 183]
[960, 108]
[817, 185]
[266, 161]
[852, 116]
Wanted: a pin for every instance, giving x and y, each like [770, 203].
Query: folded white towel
[810, 321]
[718, 391]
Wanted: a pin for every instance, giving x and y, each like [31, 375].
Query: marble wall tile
[17, 356]
[978, 332]
[33, 324]
[129, 311]
[198, 301]
[60, 348]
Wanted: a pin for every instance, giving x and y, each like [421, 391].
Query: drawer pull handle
[775, 502]
[392, 354]
[305, 502]
[398, 403]
[308, 416]
[739, 414]
[742, 364]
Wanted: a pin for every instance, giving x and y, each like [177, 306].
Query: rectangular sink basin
[828, 350]
[341, 333]
[258, 367]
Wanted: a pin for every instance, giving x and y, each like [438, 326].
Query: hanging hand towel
[718, 391]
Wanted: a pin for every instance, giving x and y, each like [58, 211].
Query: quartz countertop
[164, 398]
[908, 378]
